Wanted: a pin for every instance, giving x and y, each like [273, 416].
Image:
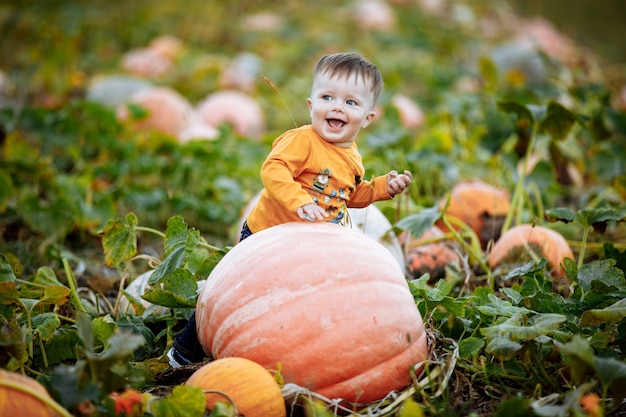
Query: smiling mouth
[335, 123]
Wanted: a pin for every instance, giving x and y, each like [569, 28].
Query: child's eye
[351, 102]
[326, 98]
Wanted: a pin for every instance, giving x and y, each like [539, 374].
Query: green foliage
[87, 204]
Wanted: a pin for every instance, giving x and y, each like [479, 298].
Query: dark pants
[186, 342]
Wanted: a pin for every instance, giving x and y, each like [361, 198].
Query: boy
[315, 172]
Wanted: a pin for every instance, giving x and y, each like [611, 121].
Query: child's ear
[369, 119]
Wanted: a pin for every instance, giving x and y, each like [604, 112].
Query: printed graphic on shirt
[321, 180]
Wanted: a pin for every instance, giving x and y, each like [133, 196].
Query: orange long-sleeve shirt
[303, 168]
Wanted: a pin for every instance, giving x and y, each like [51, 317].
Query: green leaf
[539, 325]
[598, 218]
[612, 373]
[103, 329]
[62, 346]
[178, 290]
[54, 217]
[602, 271]
[120, 240]
[46, 324]
[529, 269]
[500, 307]
[46, 276]
[558, 121]
[525, 118]
[612, 313]
[7, 191]
[503, 348]
[488, 71]
[579, 356]
[514, 407]
[6, 270]
[136, 111]
[417, 224]
[561, 214]
[179, 245]
[470, 347]
[184, 401]
[9, 293]
[55, 294]
[12, 339]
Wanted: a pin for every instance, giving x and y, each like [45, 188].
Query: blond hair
[346, 64]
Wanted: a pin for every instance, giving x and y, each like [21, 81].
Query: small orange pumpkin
[480, 205]
[252, 389]
[329, 304]
[515, 244]
[431, 258]
[15, 402]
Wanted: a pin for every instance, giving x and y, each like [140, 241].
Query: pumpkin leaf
[579, 356]
[613, 313]
[596, 217]
[470, 347]
[46, 276]
[602, 271]
[6, 271]
[499, 307]
[558, 121]
[613, 253]
[180, 243]
[12, 339]
[120, 240]
[488, 71]
[184, 401]
[45, 325]
[612, 373]
[514, 407]
[417, 224]
[561, 214]
[525, 118]
[177, 290]
[55, 294]
[529, 269]
[503, 348]
[6, 190]
[540, 325]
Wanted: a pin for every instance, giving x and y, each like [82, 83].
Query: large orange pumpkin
[328, 304]
[516, 244]
[480, 205]
[253, 390]
[15, 402]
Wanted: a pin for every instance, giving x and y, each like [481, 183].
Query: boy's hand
[311, 212]
[396, 183]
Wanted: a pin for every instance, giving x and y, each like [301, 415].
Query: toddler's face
[340, 107]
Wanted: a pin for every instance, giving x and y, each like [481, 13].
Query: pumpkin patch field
[131, 140]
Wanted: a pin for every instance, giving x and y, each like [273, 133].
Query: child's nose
[337, 105]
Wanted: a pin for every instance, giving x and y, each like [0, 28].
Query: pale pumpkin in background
[235, 108]
[167, 110]
[518, 244]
